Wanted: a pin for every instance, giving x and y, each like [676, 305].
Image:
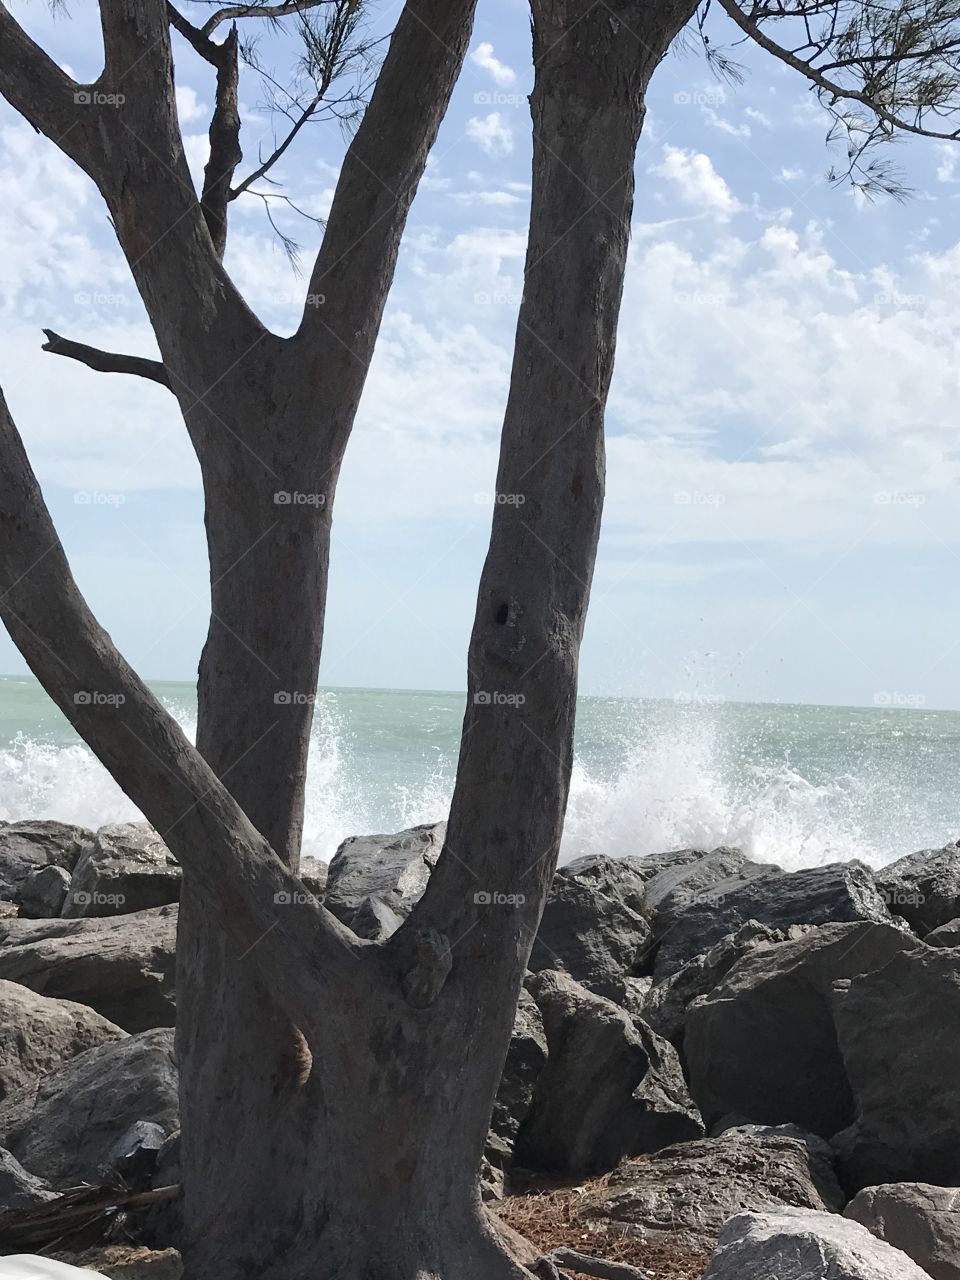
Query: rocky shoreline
[712, 1059]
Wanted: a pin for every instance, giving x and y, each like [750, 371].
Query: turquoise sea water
[798, 785]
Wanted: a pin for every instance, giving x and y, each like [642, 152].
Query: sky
[782, 519]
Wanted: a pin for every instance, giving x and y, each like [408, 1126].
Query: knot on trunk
[430, 969]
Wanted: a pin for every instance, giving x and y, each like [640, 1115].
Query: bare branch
[44, 95]
[106, 361]
[269, 11]
[296, 945]
[380, 174]
[836, 90]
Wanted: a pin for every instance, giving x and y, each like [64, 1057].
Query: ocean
[795, 785]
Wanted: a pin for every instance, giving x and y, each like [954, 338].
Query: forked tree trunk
[336, 1095]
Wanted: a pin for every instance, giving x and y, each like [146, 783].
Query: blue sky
[782, 520]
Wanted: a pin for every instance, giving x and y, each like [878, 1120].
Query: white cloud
[189, 106]
[758, 117]
[788, 174]
[723, 125]
[697, 182]
[492, 134]
[483, 56]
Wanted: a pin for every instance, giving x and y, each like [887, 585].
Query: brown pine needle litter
[548, 1215]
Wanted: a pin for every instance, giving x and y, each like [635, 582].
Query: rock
[44, 892]
[593, 924]
[38, 1034]
[762, 1043]
[19, 1189]
[924, 887]
[124, 967]
[699, 881]
[127, 869]
[313, 873]
[375, 920]
[801, 1244]
[841, 893]
[124, 1263]
[917, 1218]
[24, 846]
[391, 869]
[945, 935]
[665, 1008]
[611, 1087]
[65, 1129]
[899, 1033]
[135, 1154]
[525, 1060]
[689, 1191]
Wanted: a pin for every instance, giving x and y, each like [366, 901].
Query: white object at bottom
[27, 1266]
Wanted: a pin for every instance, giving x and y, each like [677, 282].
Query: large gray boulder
[127, 869]
[802, 1244]
[611, 1087]
[25, 846]
[945, 935]
[37, 1034]
[593, 924]
[124, 967]
[525, 1060]
[687, 1192]
[18, 1188]
[370, 873]
[65, 1129]
[924, 887]
[842, 893]
[921, 1220]
[701, 880]
[762, 1044]
[44, 892]
[898, 1031]
[665, 1005]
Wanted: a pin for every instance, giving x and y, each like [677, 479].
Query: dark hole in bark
[503, 613]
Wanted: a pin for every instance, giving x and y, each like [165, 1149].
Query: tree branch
[271, 12]
[44, 95]
[298, 945]
[106, 361]
[837, 91]
[379, 178]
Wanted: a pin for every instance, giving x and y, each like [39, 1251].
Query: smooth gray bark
[335, 1100]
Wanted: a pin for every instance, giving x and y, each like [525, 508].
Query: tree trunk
[334, 1113]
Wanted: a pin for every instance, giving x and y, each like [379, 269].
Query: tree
[336, 1093]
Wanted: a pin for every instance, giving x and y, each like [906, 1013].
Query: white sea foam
[659, 781]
